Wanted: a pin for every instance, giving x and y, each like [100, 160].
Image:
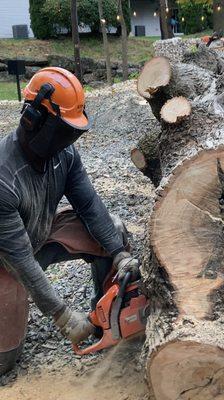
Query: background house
[143, 20]
[145, 17]
[14, 12]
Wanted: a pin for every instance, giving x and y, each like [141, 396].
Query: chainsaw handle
[124, 283]
[105, 342]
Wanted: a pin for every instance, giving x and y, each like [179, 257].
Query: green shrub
[58, 13]
[40, 23]
[192, 12]
[88, 13]
[48, 16]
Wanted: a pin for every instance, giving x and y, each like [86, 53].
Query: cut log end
[175, 110]
[187, 233]
[149, 167]
[155, 74]
[187, 370]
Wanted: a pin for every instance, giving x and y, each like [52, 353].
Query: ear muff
[31, 114]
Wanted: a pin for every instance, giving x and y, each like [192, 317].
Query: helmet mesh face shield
[53, 137]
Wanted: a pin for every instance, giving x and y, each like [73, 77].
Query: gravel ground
[120, 118]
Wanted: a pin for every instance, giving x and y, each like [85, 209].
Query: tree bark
[105, 42]
[159, 83]
[76, 41]
[124, 42]
[183, 263]
[165, 27]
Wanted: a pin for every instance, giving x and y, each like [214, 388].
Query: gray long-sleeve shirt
[28, 202]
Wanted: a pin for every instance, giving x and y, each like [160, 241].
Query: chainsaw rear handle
[123, 284]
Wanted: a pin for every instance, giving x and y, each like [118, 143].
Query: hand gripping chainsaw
[120, 313]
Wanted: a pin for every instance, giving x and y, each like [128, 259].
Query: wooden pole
[76, 41]
[123, 41]
[105, 42]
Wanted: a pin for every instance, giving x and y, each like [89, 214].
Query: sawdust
[117, 376]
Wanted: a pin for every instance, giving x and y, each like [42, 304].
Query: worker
[38, 165]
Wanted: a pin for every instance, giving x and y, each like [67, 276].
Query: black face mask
[52, 136]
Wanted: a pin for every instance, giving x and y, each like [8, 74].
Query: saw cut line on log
[183, 263]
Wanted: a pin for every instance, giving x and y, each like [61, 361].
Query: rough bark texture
[124, 42]
[183, 267]
[105, 42]
[165, 15]
[146, 155]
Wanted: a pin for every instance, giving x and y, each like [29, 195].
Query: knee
[8, 359]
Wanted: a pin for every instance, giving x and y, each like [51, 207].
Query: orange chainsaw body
[130, 321]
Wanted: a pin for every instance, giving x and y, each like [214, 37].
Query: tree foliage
[196, 15]
[48, 16]
[39, 21]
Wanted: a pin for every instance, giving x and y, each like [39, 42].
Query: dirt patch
[116, 376]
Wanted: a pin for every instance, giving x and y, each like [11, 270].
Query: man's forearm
[101, 226]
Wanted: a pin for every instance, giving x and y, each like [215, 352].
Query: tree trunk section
[76, 41]
[124, 42]
[165, 15]
[145, 155]
[183, 263]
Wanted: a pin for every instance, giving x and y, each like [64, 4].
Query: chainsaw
[120, 314]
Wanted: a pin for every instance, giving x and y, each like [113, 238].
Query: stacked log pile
[183, 266]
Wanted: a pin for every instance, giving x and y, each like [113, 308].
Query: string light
[103, 21]
[202, 18]
[118, 17]
[182, 19]
[218, 8]
[134, 13]
[155, 15]
[167, 7]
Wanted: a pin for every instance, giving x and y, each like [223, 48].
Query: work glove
[124, 263]
[74, 325]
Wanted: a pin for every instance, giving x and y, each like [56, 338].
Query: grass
[8, 90]
[139, 49]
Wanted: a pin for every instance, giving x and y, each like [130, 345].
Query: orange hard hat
[68, 95]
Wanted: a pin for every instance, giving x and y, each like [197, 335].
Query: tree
[165, 15]
[40, 25]
[59, 14]
[105, 41]
[218, 15]
[123, 40]
[89, 15]
[196, 15]
[75, 38]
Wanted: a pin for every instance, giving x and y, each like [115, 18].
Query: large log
[183, 264]
[190, 84]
